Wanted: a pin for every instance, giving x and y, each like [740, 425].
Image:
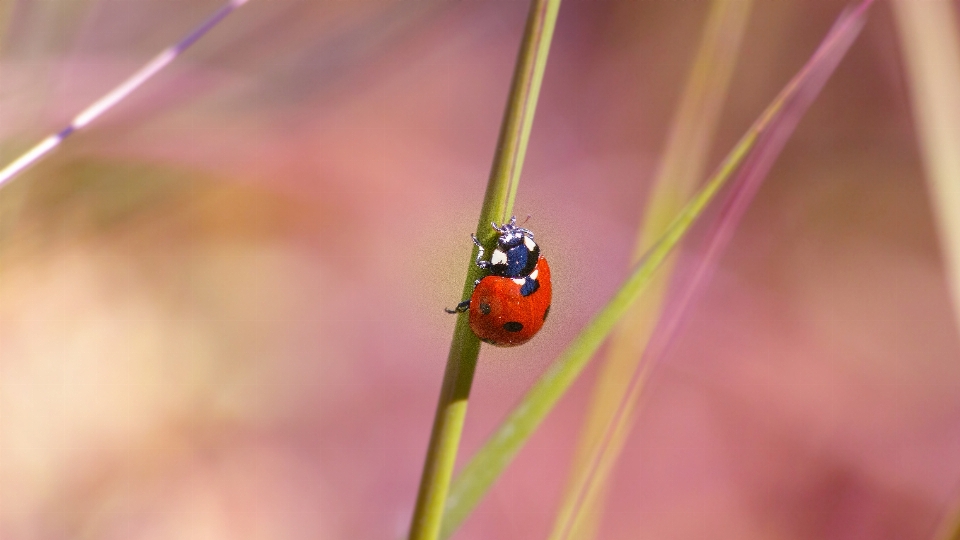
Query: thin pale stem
[930, 39]
[118, 94]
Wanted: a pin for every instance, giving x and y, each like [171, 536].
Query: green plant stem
[497, 206]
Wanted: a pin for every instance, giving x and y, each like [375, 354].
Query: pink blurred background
[221, 307]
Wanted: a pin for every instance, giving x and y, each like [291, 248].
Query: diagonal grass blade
[682, 166]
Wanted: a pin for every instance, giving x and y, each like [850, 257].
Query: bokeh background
[221, 307]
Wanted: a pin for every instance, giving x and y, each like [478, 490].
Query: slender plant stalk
[682, 167]
[930, 39]
[931, 49]
[497, 206]
[771, 128]
[118, 94]
[6, 9]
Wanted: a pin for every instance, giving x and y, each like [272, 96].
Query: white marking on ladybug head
[499, 257]
[531, 245]
[520, 281]
[534, 274]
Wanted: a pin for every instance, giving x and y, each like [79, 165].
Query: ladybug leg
[480, 262]
[461, 307]
[465, 305]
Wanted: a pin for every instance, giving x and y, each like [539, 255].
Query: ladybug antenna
[526, 220]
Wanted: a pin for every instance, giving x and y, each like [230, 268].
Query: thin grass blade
[497, 206]
[741, 192]
[5, 10]
[930, 41]
[496, 454]
[682, 167]
[118, 94]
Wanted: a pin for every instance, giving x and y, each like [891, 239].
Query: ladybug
[510, 305]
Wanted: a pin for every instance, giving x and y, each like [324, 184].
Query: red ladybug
[509, 306]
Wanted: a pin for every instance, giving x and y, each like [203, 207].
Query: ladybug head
[510, 234]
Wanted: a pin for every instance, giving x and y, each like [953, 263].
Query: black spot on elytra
[484, 308]
[512, 326]
[545, 313]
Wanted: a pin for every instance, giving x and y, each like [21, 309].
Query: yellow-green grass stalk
[930, 43]
[771, 130]
[682, 166]
[6, 9]
[497, 206]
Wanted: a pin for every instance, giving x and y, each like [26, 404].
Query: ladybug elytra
[510, 305]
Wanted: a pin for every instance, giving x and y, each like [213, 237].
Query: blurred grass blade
[118, 94]
[771, 128]
[497, 206]
[931, 51]
[930, 41]
[682, 167]
[742, 190]
[949, 529]
[6, 9]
